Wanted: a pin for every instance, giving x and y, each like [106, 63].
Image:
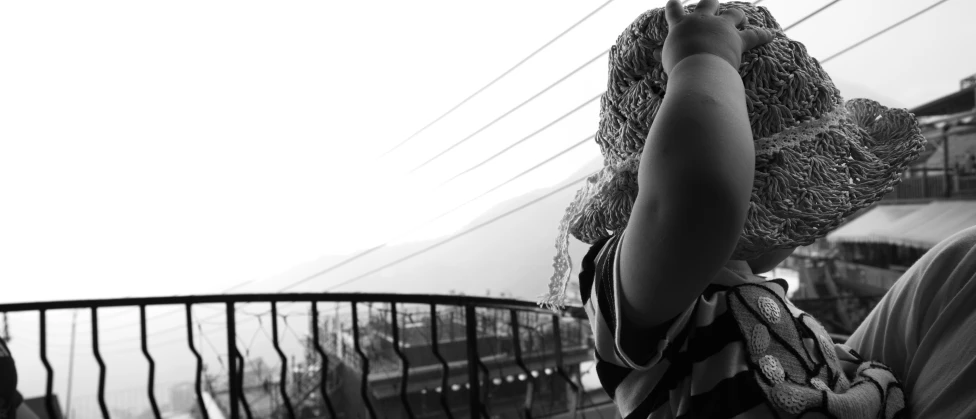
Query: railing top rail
[447, 300]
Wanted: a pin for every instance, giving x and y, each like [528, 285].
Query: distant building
[182, 397]
[858, 262]
[504, 388]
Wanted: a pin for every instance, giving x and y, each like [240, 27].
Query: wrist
[703, 59]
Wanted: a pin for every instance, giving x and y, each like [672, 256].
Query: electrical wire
[293, 332]
[160, 315]
[876, 34]
[506, 149]
[815, 12]
[803, 19]
[220, 359]
[378, 247]
[498, 78]
[461, 234]
[509, 112]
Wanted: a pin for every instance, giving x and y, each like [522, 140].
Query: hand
[705, 32]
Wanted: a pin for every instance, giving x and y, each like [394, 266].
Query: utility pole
[71, 364]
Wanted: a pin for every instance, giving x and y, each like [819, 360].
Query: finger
[673, 12]
[735, 16]
[658, 54]
[752, 38]
[709, 7]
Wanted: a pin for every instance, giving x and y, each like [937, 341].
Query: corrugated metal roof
[922, 227]
[874, 221]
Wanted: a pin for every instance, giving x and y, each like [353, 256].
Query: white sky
[183, 147]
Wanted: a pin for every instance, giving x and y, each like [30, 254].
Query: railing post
[232, 379]
[474, 393]
[925, 182]
[364, 363]
[324, 370]
[405, 372]
[283, 378]
[560, 369]
[101, 364]
[196, 354]
[945, 160]
[48, 400]
[152, 364]
[529, 379]
[437, 354]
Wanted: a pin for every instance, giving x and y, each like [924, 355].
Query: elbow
[710, 212]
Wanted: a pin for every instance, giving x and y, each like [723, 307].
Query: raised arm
[696, 171]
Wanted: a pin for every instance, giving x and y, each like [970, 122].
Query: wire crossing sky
[191, 148]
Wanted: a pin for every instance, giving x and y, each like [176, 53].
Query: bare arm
[696, 173]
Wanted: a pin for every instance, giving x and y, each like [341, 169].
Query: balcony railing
[533, 340]
[469, 340]
[922, 183]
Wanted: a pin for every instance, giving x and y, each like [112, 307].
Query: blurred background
[191, 148]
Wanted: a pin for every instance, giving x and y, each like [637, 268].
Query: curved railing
[545, 335]
[534, 337]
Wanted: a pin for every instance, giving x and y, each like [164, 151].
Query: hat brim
[803, 192]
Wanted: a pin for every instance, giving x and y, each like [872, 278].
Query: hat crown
[784, 86]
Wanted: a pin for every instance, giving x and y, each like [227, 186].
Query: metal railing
[548, 350]
[925, 183]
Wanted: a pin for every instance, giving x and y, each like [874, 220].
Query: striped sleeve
[646, 347]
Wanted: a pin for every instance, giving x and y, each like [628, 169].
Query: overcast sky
[184, 147]
[179, 147]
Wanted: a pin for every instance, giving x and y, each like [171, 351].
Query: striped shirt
[740, 350]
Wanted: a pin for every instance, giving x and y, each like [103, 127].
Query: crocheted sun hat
[818, 159]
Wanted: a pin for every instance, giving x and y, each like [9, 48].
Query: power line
[498, 78]
[794, 23]
[550, 159]
[524, 139]
[899, 23]
[220, 359]
[168, 312]
[811, 15]
[378, 247]
[521, 141]
[459, 235]
[590, 61]
[160, 315]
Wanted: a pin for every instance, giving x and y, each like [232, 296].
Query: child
[750, 152]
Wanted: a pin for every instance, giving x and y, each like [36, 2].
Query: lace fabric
[806, 131]
[562, 263]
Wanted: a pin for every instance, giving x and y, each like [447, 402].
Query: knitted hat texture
[818, 158]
